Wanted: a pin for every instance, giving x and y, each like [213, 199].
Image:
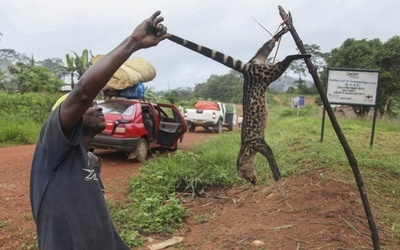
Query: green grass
[295, 139]
[22, 116]
[17, 130]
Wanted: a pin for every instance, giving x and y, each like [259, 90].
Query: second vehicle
[215, 115]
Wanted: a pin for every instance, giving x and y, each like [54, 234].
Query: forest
[20, 74]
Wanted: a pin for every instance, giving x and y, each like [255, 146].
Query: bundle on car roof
[128, 80]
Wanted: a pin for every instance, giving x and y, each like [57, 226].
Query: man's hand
[150, 32]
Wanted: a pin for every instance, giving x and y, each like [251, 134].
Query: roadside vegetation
[22, 116]
[154, 206]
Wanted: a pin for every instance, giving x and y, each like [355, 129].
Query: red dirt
[315, 210]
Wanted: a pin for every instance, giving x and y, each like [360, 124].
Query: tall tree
[77, 65]
[299, 68]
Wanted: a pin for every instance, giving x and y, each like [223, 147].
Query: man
[66, 193]
[181, 109]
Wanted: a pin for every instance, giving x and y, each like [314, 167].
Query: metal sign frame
[353, 87]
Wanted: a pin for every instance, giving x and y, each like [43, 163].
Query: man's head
[93, 119]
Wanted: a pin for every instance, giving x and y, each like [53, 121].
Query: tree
[17, 70]
[358, 54]
[225, 88]
[12, 56]
[34, 78]
[54, 64]
[171, 97]
[77, 65]
[299, 67]
[389, 63]
[150, 94]
[3, 78]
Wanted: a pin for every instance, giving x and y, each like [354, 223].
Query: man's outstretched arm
[147, 34]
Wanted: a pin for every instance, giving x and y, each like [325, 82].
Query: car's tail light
[214, 115]
[120, 129]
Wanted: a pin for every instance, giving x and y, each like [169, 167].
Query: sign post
[352, 87]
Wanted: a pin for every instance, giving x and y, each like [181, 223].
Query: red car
[135, 127]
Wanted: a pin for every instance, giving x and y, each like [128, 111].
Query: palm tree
[150, 94]
[77, 65]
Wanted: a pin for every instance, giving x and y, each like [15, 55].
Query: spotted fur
[258, 75]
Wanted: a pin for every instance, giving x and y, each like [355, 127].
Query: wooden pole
[287, 18]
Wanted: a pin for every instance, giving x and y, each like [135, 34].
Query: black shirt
[66, 193]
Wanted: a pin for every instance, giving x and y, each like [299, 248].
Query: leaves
[77, 65]
[33, 78]
[373, 54]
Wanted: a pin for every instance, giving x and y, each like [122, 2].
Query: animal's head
[244, 166]
[248, 174]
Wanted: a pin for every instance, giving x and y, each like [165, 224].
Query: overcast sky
[53, 28]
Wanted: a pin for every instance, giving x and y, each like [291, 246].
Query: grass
[17, 130]
[295, 139]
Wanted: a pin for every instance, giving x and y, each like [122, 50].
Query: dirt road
[17, 230]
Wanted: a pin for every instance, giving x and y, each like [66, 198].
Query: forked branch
[287, 19]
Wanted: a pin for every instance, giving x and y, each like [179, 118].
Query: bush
[23, 115]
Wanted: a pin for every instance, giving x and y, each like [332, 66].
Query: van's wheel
[192, 128]
[218, 127]
[142, 150]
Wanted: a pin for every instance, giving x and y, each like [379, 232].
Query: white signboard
[352, 86]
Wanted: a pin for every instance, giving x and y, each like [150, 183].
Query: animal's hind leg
[265, 149]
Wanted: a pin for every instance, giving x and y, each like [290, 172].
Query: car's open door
[172, 125]
[230, 113]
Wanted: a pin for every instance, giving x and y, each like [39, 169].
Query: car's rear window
[117, 108]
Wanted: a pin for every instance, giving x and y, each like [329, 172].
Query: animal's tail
[210, 53]
[274, 168]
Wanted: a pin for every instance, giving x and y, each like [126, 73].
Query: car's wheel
[230, 127]
[218, 127]
[192, 128]
[142, 150]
